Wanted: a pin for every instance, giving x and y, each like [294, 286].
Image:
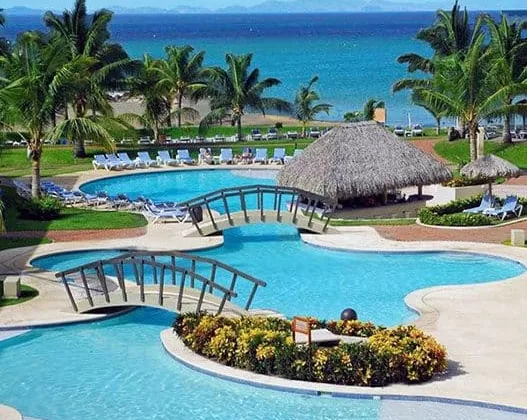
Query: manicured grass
[372, 222]
[458, 151]
[9, 243]
[26, 293]
[71, 218]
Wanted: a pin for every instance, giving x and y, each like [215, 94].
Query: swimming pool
[307, 280]
[117, 369]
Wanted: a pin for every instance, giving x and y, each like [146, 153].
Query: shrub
[279, 125]
[428, 217]
[45, 208]
[265, 345]
[461, 181]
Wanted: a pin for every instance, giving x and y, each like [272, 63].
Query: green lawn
[458, 151]
[26, 293]
[8, 243]
[71, 219]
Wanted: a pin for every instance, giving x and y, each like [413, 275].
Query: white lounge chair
[296, 153]
[205, 156]
[183, 156]
[123, 157]
[176, 214]
[226, 156]
[272, 134]
[145, 158]
[101, 162]
[163, 157]
[260, 156]
[114, 160]
[278, 155]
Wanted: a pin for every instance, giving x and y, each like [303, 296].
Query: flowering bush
[265, 345]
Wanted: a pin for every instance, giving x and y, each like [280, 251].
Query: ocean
[353, 54]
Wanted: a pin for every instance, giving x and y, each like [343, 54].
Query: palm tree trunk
[473, 139]
[438, 126]
[35, 173]
[304, 123]
[79, 150]
[179, 106]
[507, 129]
[169, 109]
[239, 127]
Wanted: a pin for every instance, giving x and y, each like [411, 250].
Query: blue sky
[213, 4]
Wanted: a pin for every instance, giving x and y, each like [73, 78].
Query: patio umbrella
[490, 167]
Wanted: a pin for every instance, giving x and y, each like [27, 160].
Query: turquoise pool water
[307, 280]
[117, 369]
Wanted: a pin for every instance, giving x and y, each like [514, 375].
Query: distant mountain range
[270, 6]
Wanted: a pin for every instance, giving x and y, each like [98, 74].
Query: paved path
[427, 146]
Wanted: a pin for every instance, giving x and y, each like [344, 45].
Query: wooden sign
[303, 326]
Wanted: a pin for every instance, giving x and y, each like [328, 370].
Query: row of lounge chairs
[487, 207]
[122, 160]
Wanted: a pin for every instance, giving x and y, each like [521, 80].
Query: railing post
[233, 283]
[86, 288]
[276, 193]
[251, 297]
[194, 220]
[261, 199]
[244, 206]
[226, 205]
[136, 272]
[173, 262]
[296, 208]
[154, 268]
[142, 282]
[315, 203]
[118, 267]
[161, 285]
[201, 297]
[102, 278]
[278, 215]
[192, 273]
[181, 290]
[214, 225]
[70, 295]
[212, 277]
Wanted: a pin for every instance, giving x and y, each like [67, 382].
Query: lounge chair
[487, 202]
[205, 156]
[226, 156]
[510, 206]
[278, 155]
[114, 160]
[296, 153]
[272, 134]
[255, 134]
[292, 135]
[144, 157]
[123, 157]
[100, 162]
[163, 157]
[157, 214]
[260, 156]
[183, 156]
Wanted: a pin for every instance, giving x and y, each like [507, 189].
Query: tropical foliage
[471, 76]
[306, 106]
[370, 106]
[236, 89]
[4, 46]
[265, 345]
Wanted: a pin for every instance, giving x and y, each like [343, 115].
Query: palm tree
[305, 107]
[369, 109]
[183, 76]
[4, 46]
[353, 116]
[237, 89]
[31, 68]
[450, 34]
[87, 36]
[509, 60]
[146, 84]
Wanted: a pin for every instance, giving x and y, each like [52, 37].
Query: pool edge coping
[177, 350]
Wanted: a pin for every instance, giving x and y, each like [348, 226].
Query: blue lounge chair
[278, 156]
[144, 157]
[163, 157]
[486, 203]
[183, 156]
[226, 156]
[260, 156]
[510, 206]
[123, 157]
[256, 134]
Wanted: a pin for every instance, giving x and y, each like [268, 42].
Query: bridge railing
[170, 268]
[279, 199]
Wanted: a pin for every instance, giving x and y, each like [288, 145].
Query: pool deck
[482, 326]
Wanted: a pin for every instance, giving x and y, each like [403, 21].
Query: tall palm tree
[237, 89]
[305, 107]
[369, 108]
[87, 36]
[146, 85]
[451, 33]
[4, 46]
[509, 59]
[183, 76]
[31, 68]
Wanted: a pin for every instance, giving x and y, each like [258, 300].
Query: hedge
[265, 346]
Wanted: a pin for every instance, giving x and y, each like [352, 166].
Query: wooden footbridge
[239, 206]
[172, 280]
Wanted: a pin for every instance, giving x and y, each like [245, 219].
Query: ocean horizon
[354, 54]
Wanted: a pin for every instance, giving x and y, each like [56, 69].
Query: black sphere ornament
[348, 314]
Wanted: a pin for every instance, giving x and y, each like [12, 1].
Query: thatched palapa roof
[490, 167]
[358, 160]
